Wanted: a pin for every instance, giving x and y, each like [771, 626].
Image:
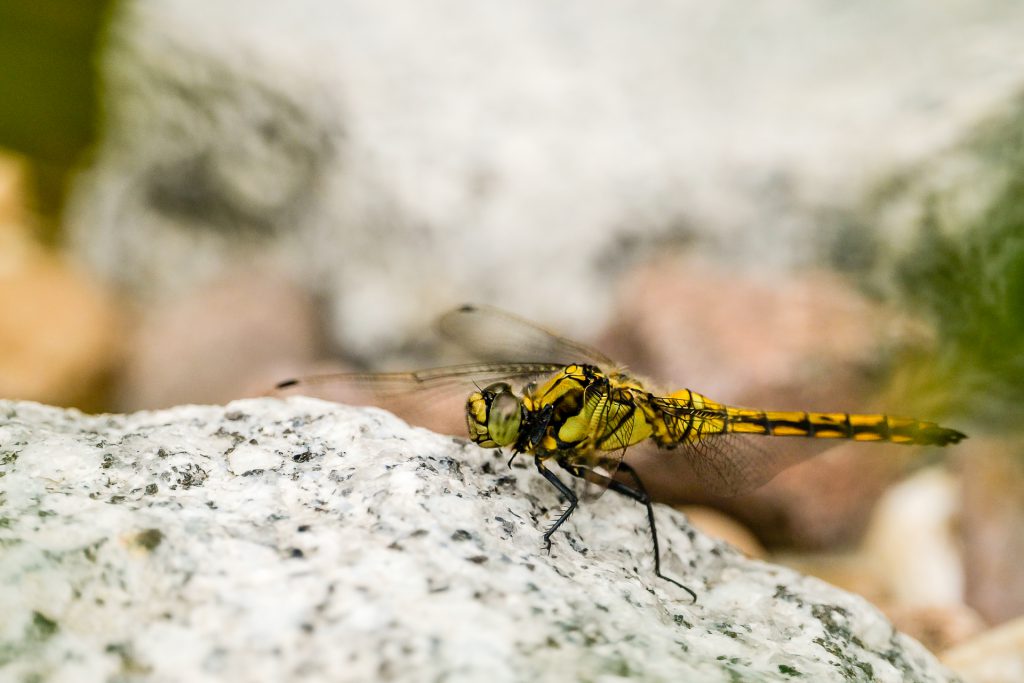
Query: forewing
[434, 398]
[491, 334]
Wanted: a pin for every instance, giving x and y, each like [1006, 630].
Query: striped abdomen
[890, 428]
[716, 418]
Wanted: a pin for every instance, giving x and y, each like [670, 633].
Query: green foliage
[970, 279]
[48, 87]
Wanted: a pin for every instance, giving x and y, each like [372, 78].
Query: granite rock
[276, 540]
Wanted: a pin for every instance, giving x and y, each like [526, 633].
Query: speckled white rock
[550, 143]
[271, 541]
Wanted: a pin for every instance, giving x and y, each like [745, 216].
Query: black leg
[566, 492]
[640, 495]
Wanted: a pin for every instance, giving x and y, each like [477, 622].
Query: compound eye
[504, 417]
[477, 407]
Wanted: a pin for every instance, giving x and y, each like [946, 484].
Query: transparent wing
[492, 334]
[469, 374]
[434, 398]
[723, 463]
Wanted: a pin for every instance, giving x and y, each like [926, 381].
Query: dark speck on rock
[680, 620]
[789, 670]
[42, 627]
[477, 559]
[577, 544]
[506, 526]
[461, 535]
[454, 468]
[505, 480]
[303, 527]
[782, 593]
[149, 539]
[190, 475]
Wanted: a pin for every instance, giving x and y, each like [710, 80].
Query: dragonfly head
[494, 416]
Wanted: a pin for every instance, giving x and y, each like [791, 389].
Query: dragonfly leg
[566, 492]
[638, 493]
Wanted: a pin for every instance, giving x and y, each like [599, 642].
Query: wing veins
[491, 333]
[429, 377]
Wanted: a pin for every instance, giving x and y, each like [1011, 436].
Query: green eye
[504, 417]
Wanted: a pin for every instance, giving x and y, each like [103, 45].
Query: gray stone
[282, 540]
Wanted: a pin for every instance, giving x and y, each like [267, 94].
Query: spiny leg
[566, 492]
[640, 495]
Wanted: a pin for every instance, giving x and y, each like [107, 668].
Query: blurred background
[814, 206]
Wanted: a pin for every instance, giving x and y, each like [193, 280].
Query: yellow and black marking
[688, 416]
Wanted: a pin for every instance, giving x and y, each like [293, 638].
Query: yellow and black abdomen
[689, 416]
[903, 430]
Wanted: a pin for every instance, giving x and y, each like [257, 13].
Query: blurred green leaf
[970, 279]
[48, 84]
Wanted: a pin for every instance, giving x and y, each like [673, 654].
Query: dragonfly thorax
[578, 407]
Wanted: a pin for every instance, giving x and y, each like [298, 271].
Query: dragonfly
[566, 404]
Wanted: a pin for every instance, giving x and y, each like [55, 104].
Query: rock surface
[270, 540]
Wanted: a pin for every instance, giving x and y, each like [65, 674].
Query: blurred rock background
[815, 206]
